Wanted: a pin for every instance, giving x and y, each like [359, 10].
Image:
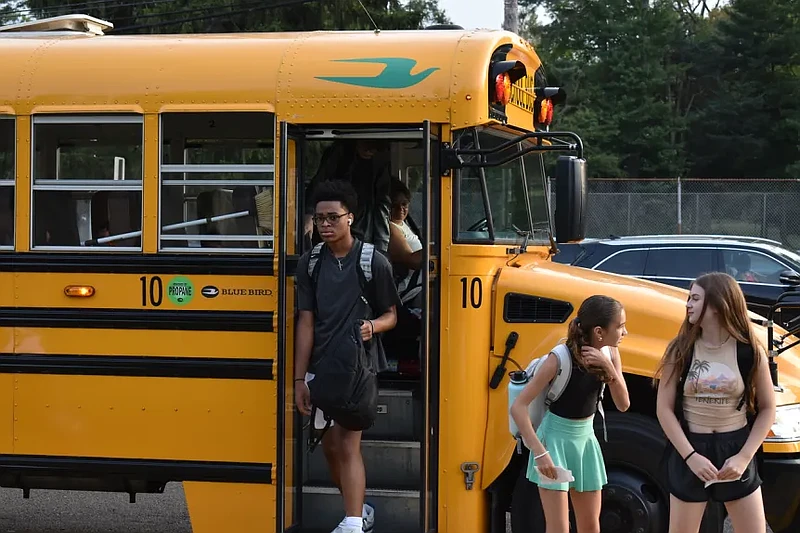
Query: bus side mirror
[571, 194]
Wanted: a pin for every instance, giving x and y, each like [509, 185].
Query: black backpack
[345, 386]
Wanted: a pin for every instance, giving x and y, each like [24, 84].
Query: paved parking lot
[87, 512]
[90, 512]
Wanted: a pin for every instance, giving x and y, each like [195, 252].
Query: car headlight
[787, 424]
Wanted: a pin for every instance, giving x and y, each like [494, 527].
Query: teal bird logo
[395, 75]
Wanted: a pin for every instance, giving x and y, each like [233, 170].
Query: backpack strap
[678, 407]
[563, 374]
[365, 261]
[600, 394]
[314, 265]
[313, 260]
[745, 359]
[315, 435]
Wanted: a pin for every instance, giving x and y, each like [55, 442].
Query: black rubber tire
[635, 499]
[633, 455]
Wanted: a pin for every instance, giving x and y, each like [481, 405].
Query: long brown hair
[724, 294]
[595, 311]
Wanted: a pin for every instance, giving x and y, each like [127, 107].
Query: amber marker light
[79, 291]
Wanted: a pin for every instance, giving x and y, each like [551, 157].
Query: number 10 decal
[475, 293]
[154, 293]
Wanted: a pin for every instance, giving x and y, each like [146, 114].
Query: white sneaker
[345, 529]
[369, 518]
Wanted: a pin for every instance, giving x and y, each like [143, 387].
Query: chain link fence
[768, 208]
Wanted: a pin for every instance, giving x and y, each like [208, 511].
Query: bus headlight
[787, 424]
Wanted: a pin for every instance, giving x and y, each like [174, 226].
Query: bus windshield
[501, 204]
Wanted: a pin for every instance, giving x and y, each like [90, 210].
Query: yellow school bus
[152, 199]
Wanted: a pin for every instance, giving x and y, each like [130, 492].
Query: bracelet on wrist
[690, 454]
[541, 455]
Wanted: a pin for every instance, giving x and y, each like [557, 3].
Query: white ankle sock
[353, 521]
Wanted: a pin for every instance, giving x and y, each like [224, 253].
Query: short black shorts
[717, 448]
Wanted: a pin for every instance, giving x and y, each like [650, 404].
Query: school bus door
[407, 509]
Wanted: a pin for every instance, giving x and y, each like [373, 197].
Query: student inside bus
[366, 165]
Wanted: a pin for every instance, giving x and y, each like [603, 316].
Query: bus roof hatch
[70, 23]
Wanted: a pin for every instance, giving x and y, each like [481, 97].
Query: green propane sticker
[180, 290]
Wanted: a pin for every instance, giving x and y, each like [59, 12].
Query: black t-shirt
[579, 398]
[337, 291]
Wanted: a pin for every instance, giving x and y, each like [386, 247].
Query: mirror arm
[454, 157]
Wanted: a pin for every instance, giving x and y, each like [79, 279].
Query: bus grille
[534, 309]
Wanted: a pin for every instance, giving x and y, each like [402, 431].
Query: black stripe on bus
[155, 319]
[166, 264]
[163, 471]
[138, 366]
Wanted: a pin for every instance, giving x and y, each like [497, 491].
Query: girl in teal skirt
[565, 437]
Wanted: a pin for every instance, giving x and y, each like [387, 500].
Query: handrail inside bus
[454, 157]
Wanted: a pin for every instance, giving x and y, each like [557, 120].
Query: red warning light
[546, 112]
[502, 88]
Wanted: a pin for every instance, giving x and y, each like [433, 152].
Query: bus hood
[532, 299]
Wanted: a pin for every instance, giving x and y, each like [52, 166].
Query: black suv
[763, 268]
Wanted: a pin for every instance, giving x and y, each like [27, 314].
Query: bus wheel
[633, 500]
[629, 505]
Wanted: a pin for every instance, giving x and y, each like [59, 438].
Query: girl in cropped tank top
[565, 437]
[702, 406]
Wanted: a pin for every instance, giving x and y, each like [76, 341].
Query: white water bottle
[518, 380]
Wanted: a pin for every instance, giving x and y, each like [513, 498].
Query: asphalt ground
[100, 512]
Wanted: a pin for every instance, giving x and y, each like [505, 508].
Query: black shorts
[717, 448]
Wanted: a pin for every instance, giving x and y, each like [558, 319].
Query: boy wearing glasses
[325, 309]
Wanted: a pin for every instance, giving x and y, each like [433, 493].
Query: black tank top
[579, 399]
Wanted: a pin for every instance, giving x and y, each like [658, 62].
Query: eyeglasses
[330, 218]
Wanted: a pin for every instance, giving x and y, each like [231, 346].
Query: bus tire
[635, 499]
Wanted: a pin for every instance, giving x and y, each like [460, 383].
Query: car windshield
[789, 257]
[501, 203]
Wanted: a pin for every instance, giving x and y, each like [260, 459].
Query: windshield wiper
[522, 233]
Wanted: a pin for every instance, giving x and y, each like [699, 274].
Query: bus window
[511, 196]
[217, 166]
[87, 182]
[7, 172]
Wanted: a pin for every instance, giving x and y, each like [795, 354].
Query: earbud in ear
[349, 221]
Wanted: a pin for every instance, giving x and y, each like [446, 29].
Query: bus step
[396, 511]
[389, 464]
[398, 410]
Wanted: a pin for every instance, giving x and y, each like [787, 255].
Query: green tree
[12, 11]
[617, 61]
[750, 124]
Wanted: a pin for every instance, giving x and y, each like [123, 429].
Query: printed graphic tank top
[713, 388]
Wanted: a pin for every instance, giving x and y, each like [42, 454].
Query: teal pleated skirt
[572, 445]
